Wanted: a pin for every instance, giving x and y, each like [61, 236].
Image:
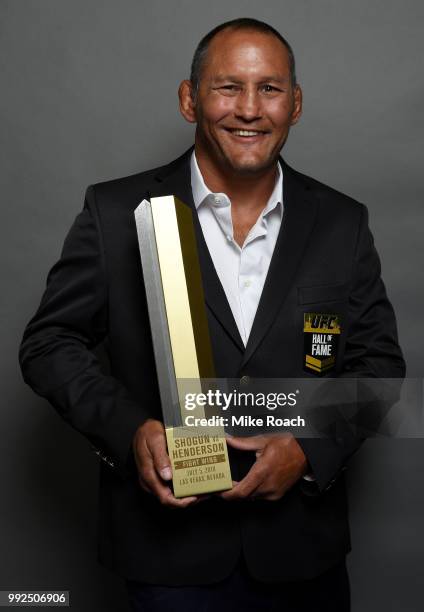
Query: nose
[248, 106]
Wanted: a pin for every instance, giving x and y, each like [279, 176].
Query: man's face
[245, 102]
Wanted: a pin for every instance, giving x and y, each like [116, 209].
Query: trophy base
[199, 462]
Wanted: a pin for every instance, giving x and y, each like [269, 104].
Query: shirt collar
[201, 193]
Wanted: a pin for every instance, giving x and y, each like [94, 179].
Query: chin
[251, 166]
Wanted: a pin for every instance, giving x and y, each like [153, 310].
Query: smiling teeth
[245, 133]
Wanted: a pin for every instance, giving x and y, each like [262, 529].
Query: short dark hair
[242, 23]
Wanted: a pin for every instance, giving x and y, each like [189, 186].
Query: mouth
[246, 134]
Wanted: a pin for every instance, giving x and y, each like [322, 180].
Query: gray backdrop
[88, 93]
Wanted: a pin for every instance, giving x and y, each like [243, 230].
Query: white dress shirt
[241, 270]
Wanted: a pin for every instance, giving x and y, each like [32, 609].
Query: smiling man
[275, 247]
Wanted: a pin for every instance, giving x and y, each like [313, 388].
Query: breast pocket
[324, 294]
[322, 310]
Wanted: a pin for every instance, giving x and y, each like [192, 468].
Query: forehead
[245, 52]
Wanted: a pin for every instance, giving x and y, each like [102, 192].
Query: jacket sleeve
[56, 353]
[371, 351]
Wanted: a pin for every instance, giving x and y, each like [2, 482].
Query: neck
[249, 190]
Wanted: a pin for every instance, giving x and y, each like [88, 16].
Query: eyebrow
[234, 79]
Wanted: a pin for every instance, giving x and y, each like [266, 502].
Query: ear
[186, 96]
[297, 105]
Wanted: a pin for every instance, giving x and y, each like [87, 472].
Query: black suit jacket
[324, 261]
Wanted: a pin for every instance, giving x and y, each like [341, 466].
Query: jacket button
[244, 380]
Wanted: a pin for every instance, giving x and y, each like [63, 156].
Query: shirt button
[247, 283]
[244, 380]
[217, 200]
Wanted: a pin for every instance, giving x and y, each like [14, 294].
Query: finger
[150, 480]
[264, 492]
[250, 443]
[143, 485]
[239, 493]
[202, 498]
[156, 445]
[167, 498]
[248, 485]
[272, 496]
[233, 483]
[162, 490]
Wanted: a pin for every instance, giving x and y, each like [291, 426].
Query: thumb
[248, 443]
[160, 457]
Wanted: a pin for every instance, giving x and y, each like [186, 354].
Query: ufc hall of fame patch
[321, 338]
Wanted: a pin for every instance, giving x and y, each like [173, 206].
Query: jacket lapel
[298, 220]
[175, 179]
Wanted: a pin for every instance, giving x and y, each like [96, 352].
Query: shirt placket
[250, 273]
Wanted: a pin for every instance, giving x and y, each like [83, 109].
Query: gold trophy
[181, 342]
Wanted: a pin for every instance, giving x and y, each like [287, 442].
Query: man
[273, 245]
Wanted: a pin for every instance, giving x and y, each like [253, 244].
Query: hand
[154, 465]
[280, 462]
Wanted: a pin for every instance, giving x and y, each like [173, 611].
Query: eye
[267, 88]
[230, 89]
